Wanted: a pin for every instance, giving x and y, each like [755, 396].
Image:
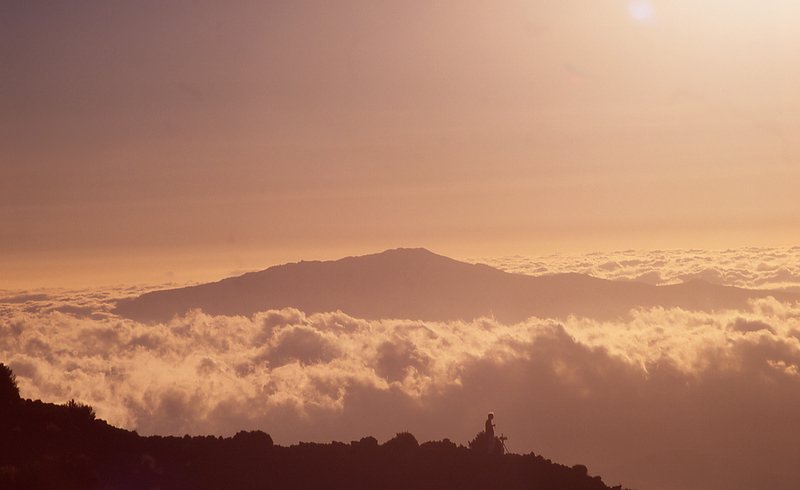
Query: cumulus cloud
[23, 298]
[755, 268]
[701, 390]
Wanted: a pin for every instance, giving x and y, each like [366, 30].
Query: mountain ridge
[44, 445]
[417, 284]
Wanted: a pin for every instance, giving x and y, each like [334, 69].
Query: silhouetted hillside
[63, 446]
[418, 284]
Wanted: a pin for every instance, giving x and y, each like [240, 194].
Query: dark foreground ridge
[421, 285]
[43, 445]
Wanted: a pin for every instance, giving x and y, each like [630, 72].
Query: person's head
[491, 415]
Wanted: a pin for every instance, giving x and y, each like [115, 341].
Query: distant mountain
[47, 446]
[418, 284]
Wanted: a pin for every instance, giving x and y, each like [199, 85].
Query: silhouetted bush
[368, 442]
[403, 441]
[81, 412]
[438, 449]
[581, 469]
[443, 445]
[482, 443]
[9, 391]
[255, 439]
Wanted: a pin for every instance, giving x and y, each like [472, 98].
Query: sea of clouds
[752, 267]
[664, 399]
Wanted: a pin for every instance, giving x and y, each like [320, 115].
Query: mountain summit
[419, 284]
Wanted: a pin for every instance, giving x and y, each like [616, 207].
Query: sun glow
[641, 10]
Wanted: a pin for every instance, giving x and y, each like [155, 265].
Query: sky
[178, 141]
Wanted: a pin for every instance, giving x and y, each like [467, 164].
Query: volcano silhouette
[421, 285]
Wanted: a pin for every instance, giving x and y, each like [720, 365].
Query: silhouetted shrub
[581, 469]
[9, 391]
[255, 439]
[80, 411]
[368, 442]
[441, 446]
[485, 444]
[403, 441]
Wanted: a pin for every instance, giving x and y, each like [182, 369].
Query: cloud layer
[753, 267]
[665, 399]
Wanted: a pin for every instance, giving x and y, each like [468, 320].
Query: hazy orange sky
[177, 140]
